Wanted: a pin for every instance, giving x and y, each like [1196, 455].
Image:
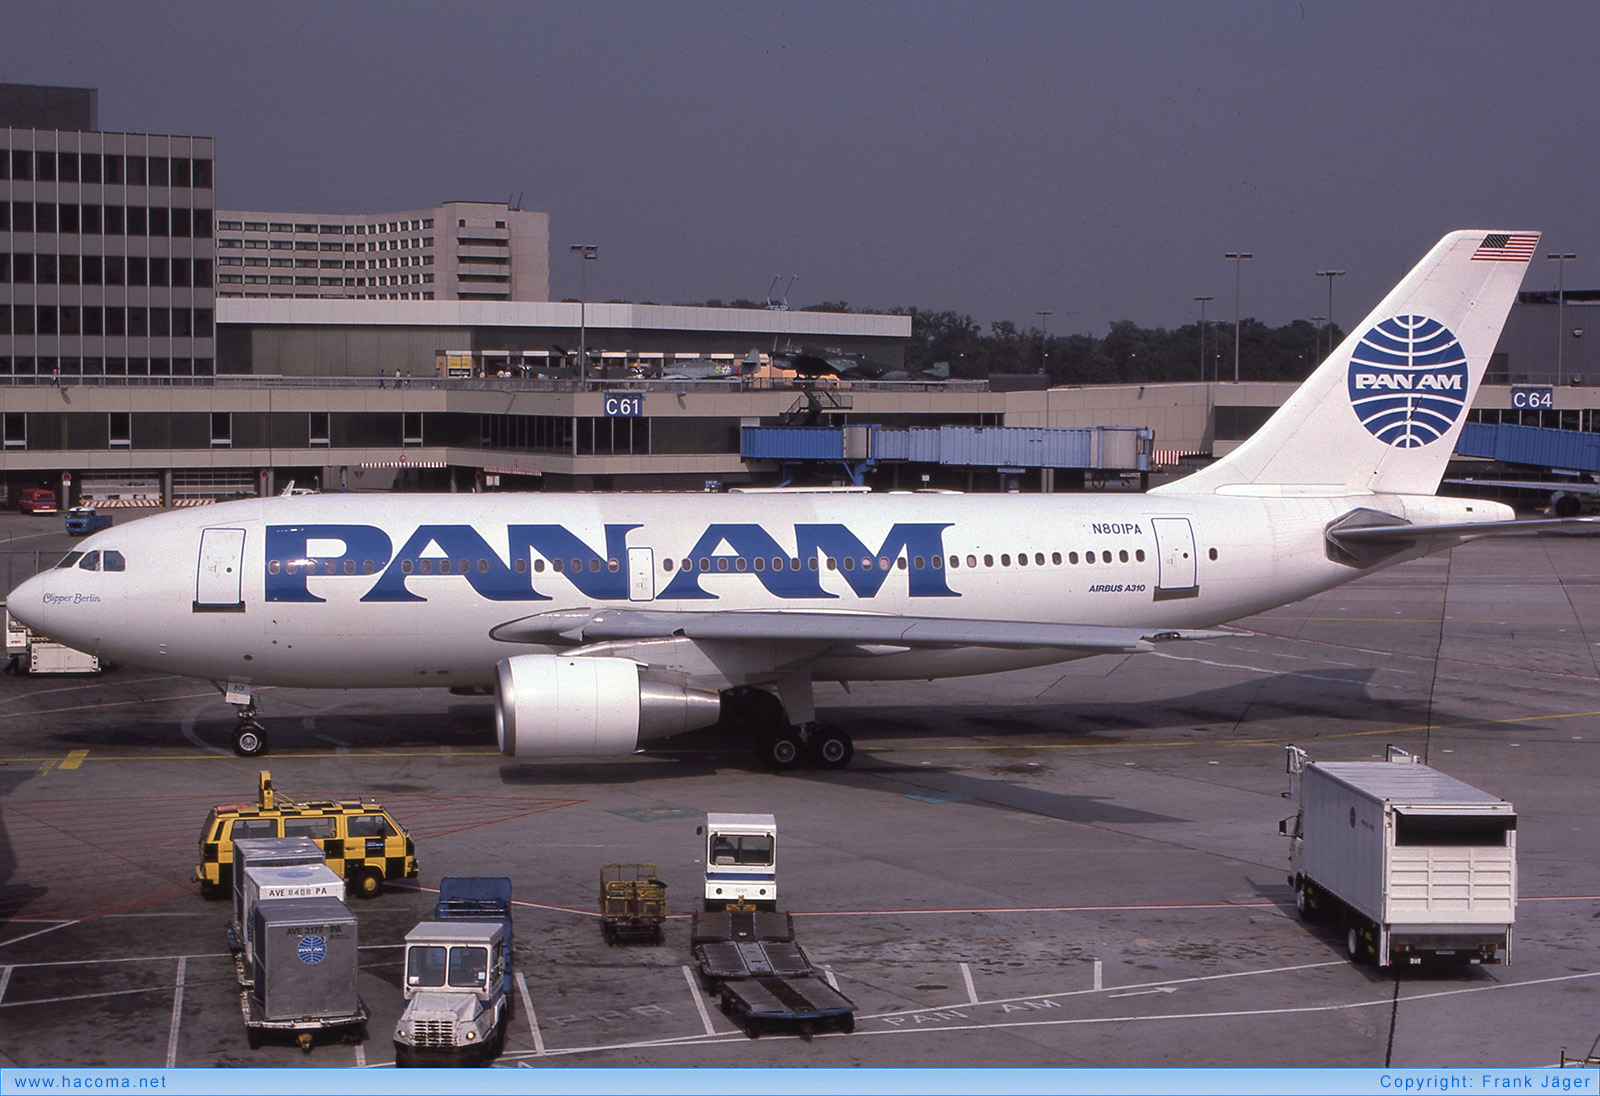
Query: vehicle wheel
[252, 1036]
[847, 1023]
[830, 748]
[367, 883]
[780, 750]
[404, 1057]
[1355, 945]
[249, 740]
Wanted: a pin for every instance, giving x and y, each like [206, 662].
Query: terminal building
[141, 365]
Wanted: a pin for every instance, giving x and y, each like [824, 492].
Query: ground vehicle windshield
[460, 966]
[741, 848]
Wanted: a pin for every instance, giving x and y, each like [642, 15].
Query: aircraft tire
[830, 748]
[781, 750]
[249, 740]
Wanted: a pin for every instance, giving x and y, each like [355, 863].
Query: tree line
[1127, 354]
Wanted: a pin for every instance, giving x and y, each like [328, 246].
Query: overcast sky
[995, 159]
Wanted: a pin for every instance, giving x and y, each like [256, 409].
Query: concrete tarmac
[1071, 866]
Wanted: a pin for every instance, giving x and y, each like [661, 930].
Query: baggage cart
[633, 903]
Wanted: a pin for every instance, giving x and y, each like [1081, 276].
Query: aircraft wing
[594, 626]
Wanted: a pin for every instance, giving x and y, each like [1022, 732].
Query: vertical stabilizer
[1383, 411]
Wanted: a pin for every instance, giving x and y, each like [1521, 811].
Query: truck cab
[741, 861]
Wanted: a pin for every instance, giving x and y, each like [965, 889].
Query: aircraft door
[641, 574]
[220, 575]
[1177, 568]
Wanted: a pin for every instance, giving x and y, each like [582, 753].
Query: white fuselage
[351, 591]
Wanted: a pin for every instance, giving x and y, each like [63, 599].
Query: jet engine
[576, 706]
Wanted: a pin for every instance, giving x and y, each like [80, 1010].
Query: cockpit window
[90, 562]
[70, 561]
[113, 561]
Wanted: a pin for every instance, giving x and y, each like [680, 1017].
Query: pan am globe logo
[1408, 381]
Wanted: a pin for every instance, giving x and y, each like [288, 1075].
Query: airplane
[1568, 498]
[711, 369]
[812, 363]
[603, 624]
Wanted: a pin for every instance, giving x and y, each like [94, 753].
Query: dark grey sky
[996, 159]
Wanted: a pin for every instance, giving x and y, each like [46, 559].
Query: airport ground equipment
[303, 973]
[262, 885]
[359, 839]
[263, 852]
[458, 977]
[741, 861]
[633, 903]
[750, 961]
[35, 654]
[83, 520]
[1411, 864]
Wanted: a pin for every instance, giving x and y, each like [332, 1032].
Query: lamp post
[1203, 301]
[586, 252]
[1044, 339]
[1561, 304]
[1330, 275]
[1238, 258]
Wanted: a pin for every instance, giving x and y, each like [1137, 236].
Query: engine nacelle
[577, 706]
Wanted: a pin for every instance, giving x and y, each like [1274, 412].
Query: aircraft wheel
[830, 748]
[249, 740]
[781, 750]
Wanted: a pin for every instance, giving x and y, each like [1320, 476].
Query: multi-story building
[106, 253]
[458, 251]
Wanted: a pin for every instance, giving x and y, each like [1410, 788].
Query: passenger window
[1022, 559]
[254, 827]
[113, 561]
[1123, 555]
[988, 561]
[1139, 555]
[318, 829]
[1038, 559]
[972, 561]
[368, 825]
[1055, 558]
[1088, 557]
[90, 562]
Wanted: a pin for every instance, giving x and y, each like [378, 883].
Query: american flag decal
[1506, 247]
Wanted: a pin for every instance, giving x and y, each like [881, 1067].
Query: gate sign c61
[1537, 396]
[624, 405]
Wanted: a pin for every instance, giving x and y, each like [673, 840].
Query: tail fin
[1383, 411]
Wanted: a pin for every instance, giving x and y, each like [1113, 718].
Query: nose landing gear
[249, 736]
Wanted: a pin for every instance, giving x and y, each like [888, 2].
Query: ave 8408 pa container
[1412, 864]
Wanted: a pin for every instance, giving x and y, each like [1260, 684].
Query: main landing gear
[781, 745]
[249, 736]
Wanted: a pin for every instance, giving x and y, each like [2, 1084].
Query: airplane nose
[26, 603]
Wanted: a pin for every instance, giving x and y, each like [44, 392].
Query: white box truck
[1410, 863]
